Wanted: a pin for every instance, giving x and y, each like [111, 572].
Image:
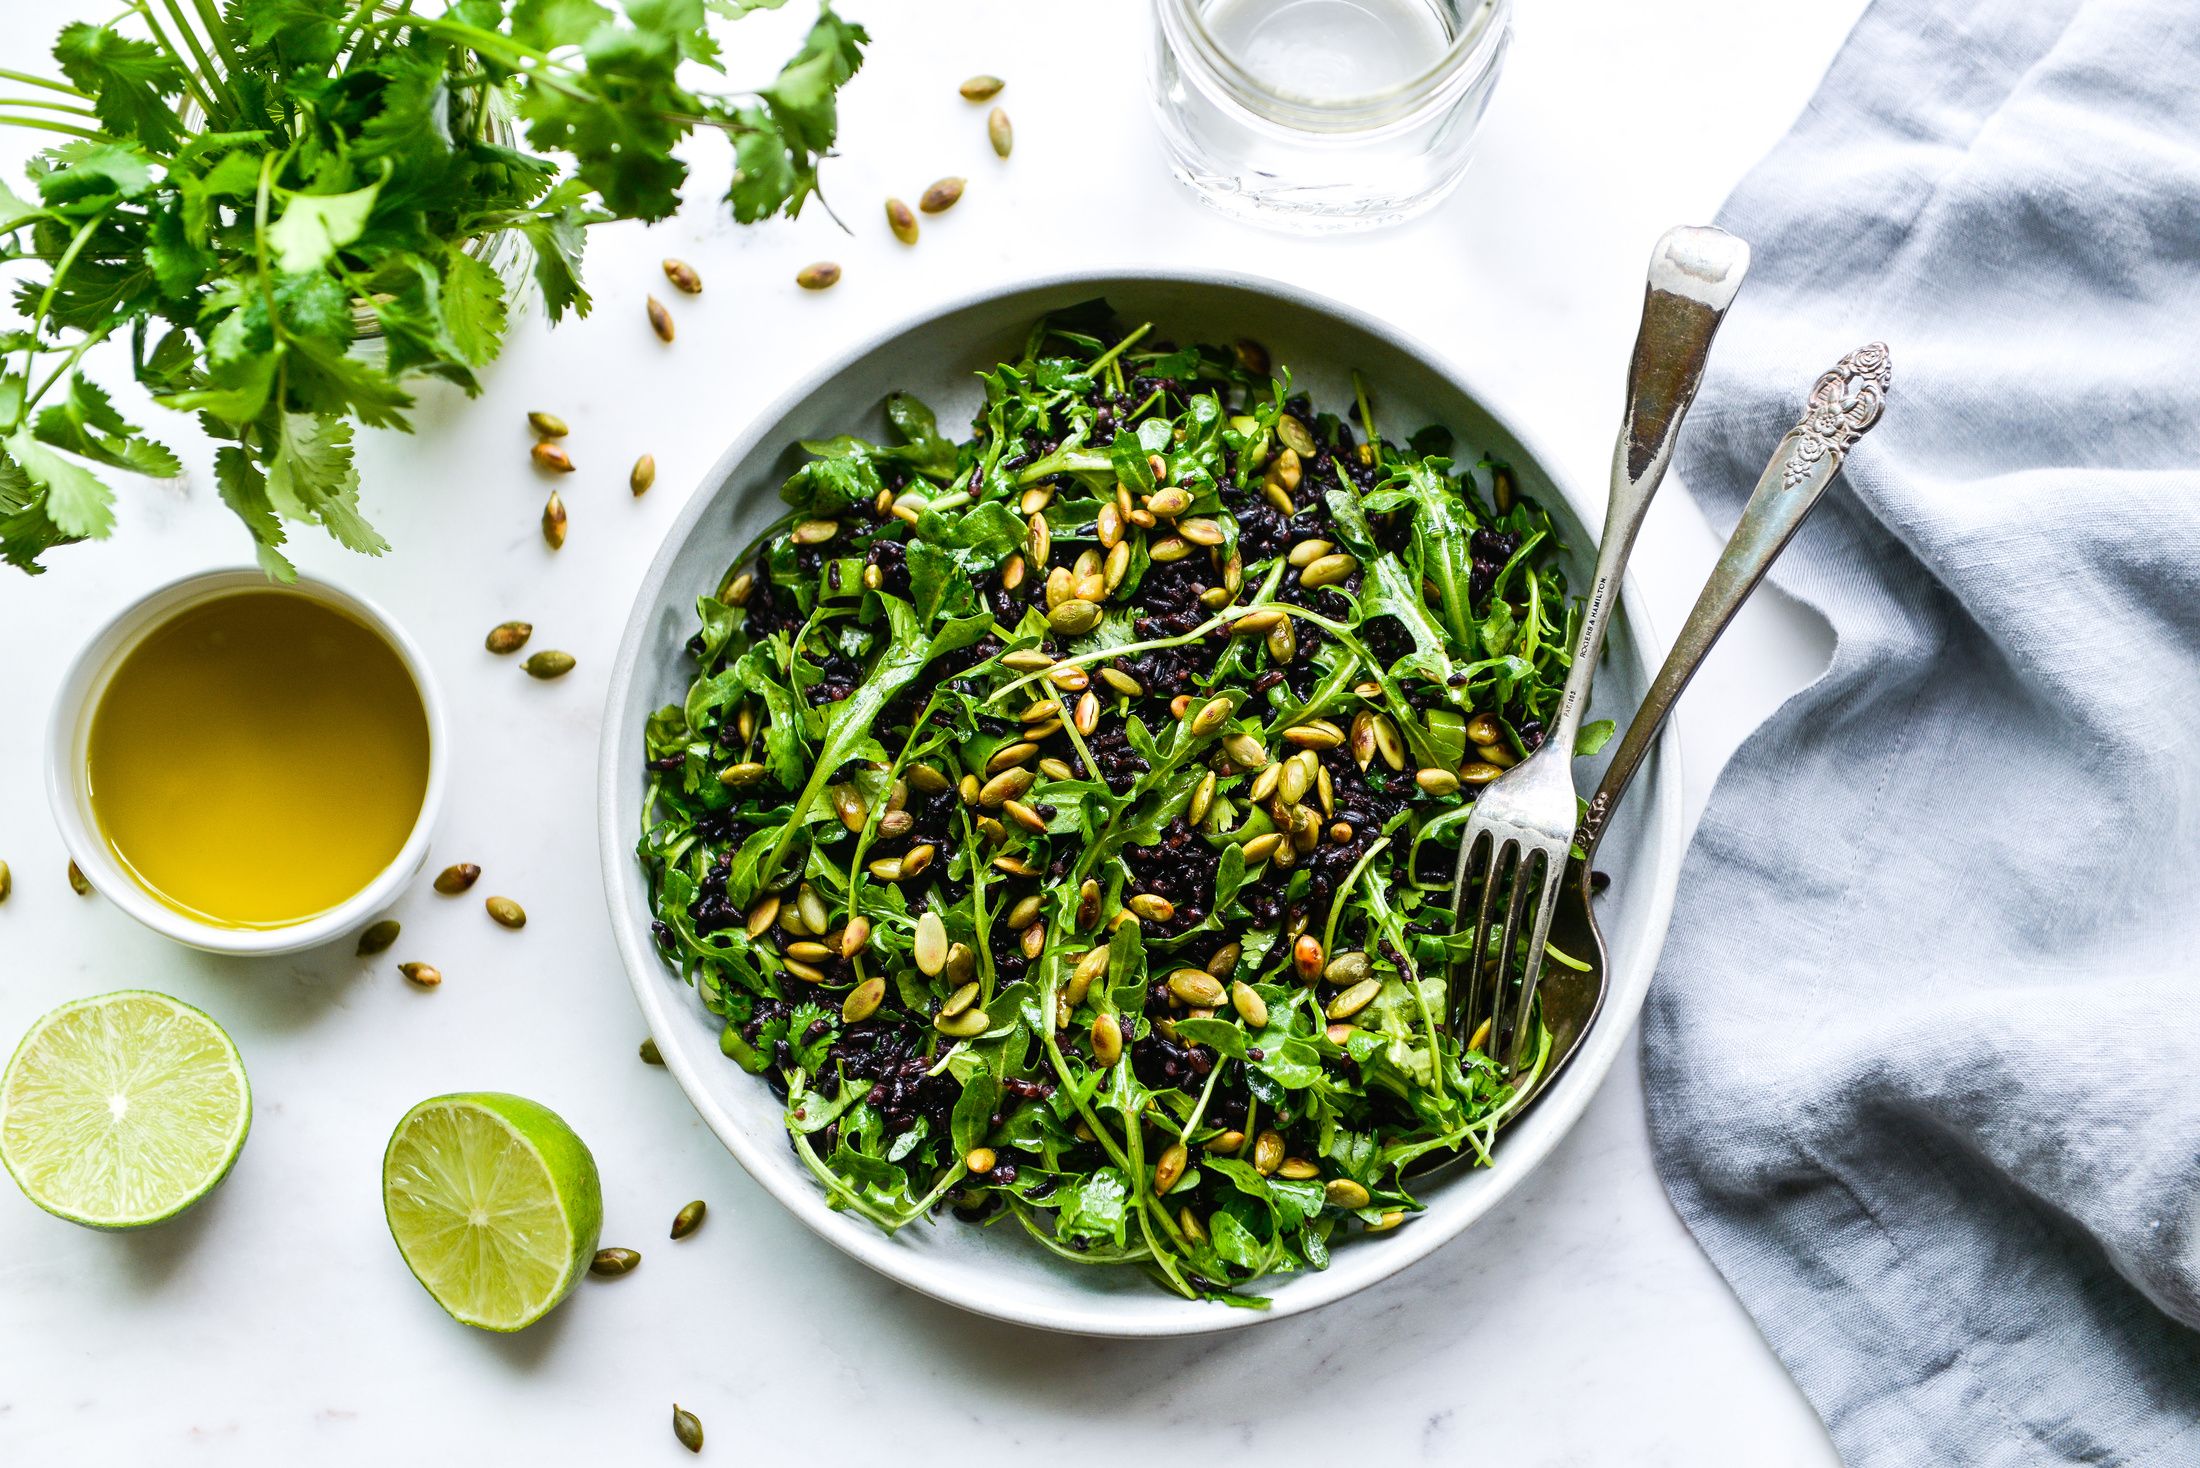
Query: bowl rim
[85, 680]
[1569, 1094]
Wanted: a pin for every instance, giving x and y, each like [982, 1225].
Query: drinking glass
[1324, 115]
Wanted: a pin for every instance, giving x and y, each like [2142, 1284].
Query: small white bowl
[69, 732]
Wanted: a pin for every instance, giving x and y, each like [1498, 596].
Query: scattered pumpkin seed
[1203, 799]
[549, 663]
[1435, 781]
[1245, 751]
[1267, 1153]
[683, 277]
[650, 1054]
[660, 320]
[902, 220]
[1298, 1169]
[1210, 716]
[1074, 618]
[508, 637]
[1389, 743]
[553, 521]
[1197, 987]
[688, 1219]
[863, 1000]
[688, 1428]
[1250, 1006]
[642, 475]
[762, 916]
[1306, 958]
[376, 939]
[1347, 969]
[611, 1263]
[931, 943]
[968, 1025]
[822, 275]
[1354, 999]
[981, 88]
[942, 196]
[1107, 1040]
[548, 425]
[1344, 1193]
[426, 975]
[456, 878]
[1169, 1168]
[548, 455]
[1478, 772]
[1000, 133]
[506, 912]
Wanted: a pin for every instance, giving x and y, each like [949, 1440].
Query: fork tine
[1471, 1006]
[1554, 879]
[1514, 899]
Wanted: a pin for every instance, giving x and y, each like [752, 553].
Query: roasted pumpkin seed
[548, 664]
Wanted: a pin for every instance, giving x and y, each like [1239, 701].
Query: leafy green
[860, 691]
[241, 191]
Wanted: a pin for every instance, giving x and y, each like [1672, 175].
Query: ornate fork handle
[1843, 406]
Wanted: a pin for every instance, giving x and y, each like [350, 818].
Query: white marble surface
[276, 1324]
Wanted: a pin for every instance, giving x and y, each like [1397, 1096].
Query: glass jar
[1324, 115]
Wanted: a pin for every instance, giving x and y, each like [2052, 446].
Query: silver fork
[1524, 820]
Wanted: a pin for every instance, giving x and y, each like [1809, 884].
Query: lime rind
[122, 1110]
[495, 1205]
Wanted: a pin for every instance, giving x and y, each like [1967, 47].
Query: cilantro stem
[45, 126]
[215, 76]
[60, 272]
[192, 80]
[91, 339]
[50, 106]
[33, 80]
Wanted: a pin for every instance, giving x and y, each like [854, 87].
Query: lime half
[494, 1203]
[123, 1110]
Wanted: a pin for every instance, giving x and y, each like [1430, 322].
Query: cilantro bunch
[1062, 821]
[237, 188]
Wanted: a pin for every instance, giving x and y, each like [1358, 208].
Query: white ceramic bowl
[71, 728]
[998, 1272]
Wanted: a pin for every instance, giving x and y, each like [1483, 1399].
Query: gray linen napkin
[1923, 1056]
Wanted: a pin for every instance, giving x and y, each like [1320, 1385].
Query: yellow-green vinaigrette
[258, 759]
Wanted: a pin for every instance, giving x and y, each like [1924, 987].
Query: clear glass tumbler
[1324, 115]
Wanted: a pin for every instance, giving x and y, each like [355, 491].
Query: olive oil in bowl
[258, 758]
